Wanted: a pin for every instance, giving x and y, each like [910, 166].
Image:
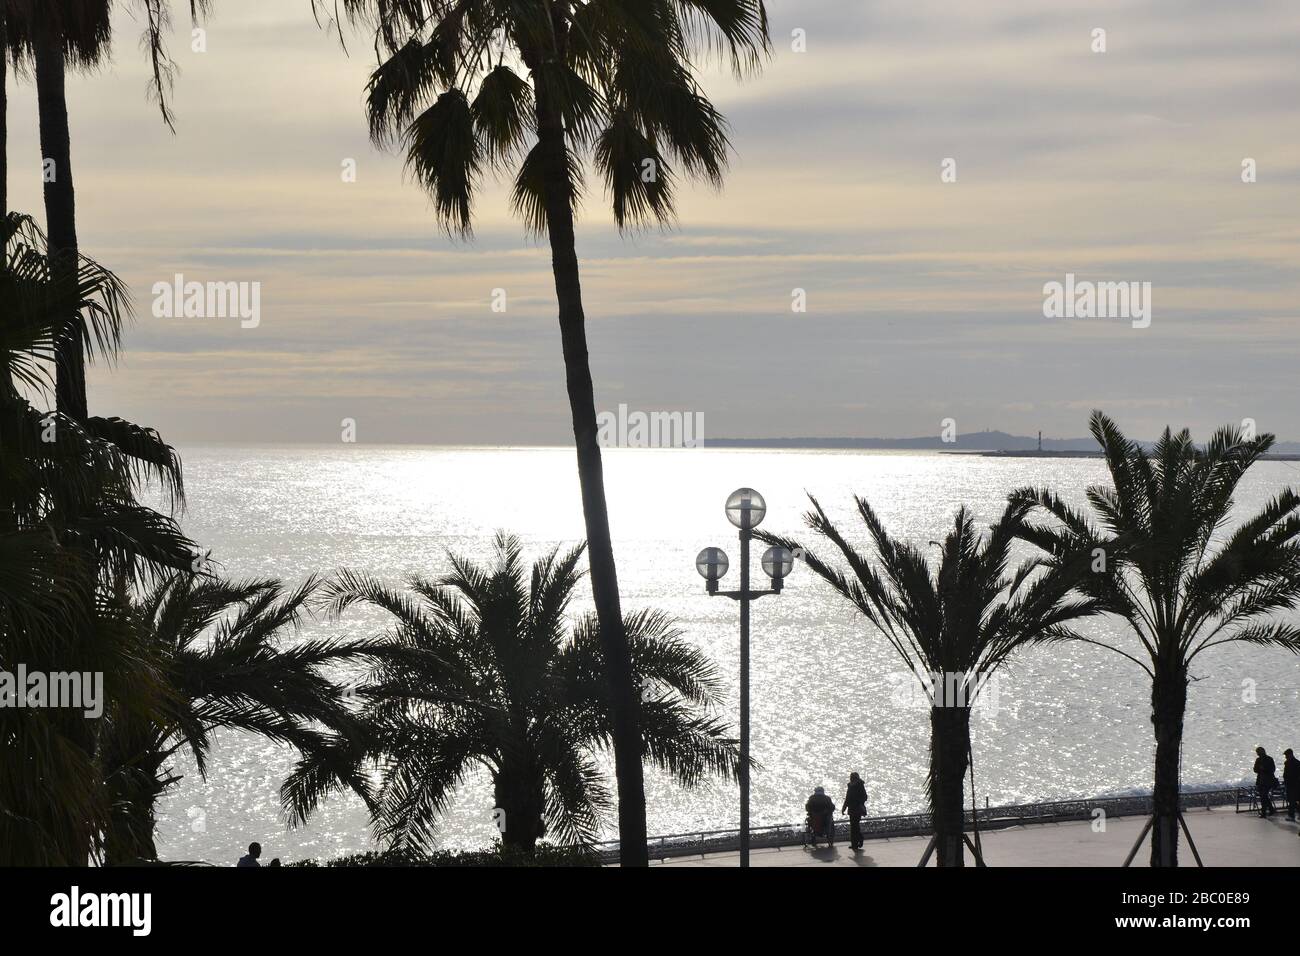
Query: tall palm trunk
[60, 207]
[4, 112]
[6, 379]
[582, 404]
[949, 750]
[1168, 706]
[69, 360]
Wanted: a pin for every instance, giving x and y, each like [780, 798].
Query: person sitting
[821, 816]
[254, 851]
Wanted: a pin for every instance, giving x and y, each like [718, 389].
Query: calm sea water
[1070, 721]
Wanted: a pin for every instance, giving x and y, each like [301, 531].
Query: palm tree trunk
[69, 360]
[1168, 706]
[520, 794]
[60, 207]
[4, 113]
[624, 699]
[6, 380]
[129, 837]
[949, 747]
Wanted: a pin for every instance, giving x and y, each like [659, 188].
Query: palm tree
[480, 671]
[218, 647]
[953, 626]
[82, 484]
[84, 481]
[4, 110]
[52, 32]
[77, 490]
[52, 37]
[60, 34]
[76, 34]
[1182, 586]
[72, 537]
[477, 86]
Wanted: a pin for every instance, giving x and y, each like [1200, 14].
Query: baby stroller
[818, 826]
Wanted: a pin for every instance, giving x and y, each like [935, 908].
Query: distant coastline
[1088, 454]
[995, 444]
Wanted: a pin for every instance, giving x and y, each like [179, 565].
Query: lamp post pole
[745, 509]
[745, 534]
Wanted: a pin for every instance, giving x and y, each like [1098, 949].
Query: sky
[924, 298]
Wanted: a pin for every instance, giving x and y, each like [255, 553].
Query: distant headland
[993, 443]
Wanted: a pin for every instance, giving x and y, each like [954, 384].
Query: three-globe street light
[745, 509]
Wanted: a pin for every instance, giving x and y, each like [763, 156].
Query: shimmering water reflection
[1072, 721]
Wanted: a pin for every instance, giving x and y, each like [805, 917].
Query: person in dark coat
[821, 811]
[1291, 781]
[1265, 777]
[855, 805]
[254, 851]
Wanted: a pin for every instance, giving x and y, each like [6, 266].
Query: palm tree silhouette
[1162, 565]
[606, 80]
[59, 35]
[481, 669]
[4, 112]
[953, 627]
[219, 652]
[55, 37]
[73, 538]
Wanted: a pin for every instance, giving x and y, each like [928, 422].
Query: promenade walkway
[1223, 837]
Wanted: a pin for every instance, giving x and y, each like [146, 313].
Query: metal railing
[701, 842]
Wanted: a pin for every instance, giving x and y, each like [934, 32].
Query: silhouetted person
[855, 805]
[1291, 781]
[275, 862]
[254, 851]
[821, 811]
[1265, 777]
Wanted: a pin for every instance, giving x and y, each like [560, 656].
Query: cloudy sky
[924, 298]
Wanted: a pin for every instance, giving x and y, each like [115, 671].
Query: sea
[829, 696]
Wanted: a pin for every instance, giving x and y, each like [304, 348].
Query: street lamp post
[745, 509]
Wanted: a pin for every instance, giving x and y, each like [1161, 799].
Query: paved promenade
[1223, 837]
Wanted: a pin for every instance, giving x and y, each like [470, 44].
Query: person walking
[855, 805]
[1291, 782]
[1265, 778]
